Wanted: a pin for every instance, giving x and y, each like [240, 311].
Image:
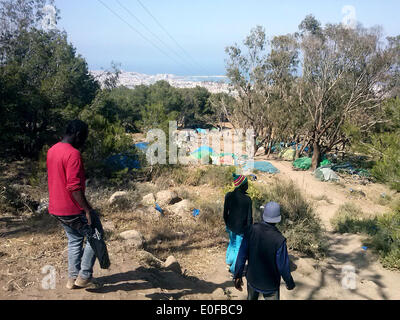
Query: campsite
[308, 117]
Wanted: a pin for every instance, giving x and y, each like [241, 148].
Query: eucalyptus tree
[346, 75]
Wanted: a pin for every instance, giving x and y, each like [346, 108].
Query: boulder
[117, 196]
[133, 238]
[172, 264]
[149, 200]
[182, 208]
[148, 259]
[167, 197]
[108, 226]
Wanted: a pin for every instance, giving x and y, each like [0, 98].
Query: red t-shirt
[65, 174]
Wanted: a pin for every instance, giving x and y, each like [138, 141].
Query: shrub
[387, 239]
[211, 214]
[105, 139]
[215, 176]
[384, 231]
[349, 219]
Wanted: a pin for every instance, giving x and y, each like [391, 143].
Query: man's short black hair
[76, 126]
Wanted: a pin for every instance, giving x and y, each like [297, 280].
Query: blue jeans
[235, 240]
[80, 260]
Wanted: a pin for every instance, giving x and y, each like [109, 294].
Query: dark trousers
[254, 295]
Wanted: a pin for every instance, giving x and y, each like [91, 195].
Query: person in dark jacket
[265, 249]
[238, 217]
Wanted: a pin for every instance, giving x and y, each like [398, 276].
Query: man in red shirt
[67, 202]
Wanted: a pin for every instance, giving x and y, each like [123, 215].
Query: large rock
[182, 208]
[133, 238]
[149, 200]
[166, 197]
[118, 196]
[108, 226]
[148, 259]
[172, 264]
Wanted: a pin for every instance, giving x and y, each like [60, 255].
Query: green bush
[105, 139]
[384, 231]
[387, 239]
[215, 176]
[387, 169]
[349, 219]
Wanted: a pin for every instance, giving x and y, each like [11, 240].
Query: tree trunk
[316, 158]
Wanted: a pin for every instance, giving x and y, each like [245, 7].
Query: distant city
[214, 84]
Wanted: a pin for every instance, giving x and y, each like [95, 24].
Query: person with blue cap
[264, 247]
[238, 216]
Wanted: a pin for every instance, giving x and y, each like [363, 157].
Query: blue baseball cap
[272, 212]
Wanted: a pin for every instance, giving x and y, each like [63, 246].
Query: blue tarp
[142, 146]
[263, 166]
[199, 130]
[123, 161]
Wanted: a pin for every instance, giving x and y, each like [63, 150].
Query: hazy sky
[202, 28]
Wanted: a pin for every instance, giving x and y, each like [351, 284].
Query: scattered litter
[158, 208]
[196, 212]
[253, 177]
[358, 192]
[349, 168]
[364, 247]
[383, 195]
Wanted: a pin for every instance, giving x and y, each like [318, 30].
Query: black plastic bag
[100, 248]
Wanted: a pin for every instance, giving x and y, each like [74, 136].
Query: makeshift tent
[302, 163]
[263, 166]
[227, 159]
[288, 154]
[324, 163]
[326, 174]
[203, 151]
[201, 131]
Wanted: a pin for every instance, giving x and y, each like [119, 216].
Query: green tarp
[302, 163]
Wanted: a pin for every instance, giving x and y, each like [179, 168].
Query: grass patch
[383, 231]
[350, 219]
[323, 198]
[215, 176]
